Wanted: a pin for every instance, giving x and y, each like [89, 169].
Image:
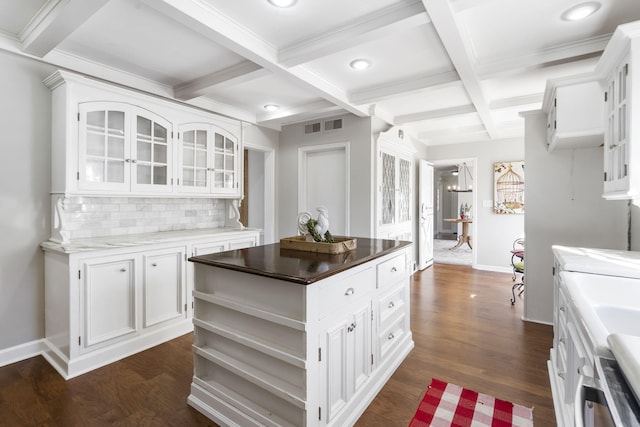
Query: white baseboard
[21, 352]
[493, 268]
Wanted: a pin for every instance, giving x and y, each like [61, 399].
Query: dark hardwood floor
[465, 329]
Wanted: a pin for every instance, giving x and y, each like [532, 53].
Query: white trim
[493, 268]
[21, 352]
[269, 231]
[303, 153]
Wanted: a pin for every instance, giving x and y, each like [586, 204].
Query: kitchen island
[294, 338]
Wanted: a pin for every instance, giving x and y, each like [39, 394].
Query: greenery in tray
[311, 226]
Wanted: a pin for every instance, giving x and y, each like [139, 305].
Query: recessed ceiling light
[360, 64]
[272, 107]
[282, 3]
[580, 11]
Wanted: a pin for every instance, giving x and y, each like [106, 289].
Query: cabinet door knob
[393, 269]
[123, 270]
[391, 336]
[562, 309]
[391, 305]
[350, 291]
[134, 161]
[351, 327]
[154, 264]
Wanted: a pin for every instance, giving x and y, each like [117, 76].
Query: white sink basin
[606, 304]
[621, 320]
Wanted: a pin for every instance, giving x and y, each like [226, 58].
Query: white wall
[357, 131]
[255, 166]
[25, 175]
[494, 233]
[564, 205]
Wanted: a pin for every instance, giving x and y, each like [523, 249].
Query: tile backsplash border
[80, 217]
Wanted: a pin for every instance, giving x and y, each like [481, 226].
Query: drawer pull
[351, 327]
[350, 291]
[123, 270]
[391, 305]
[391, 336]
[393, 269]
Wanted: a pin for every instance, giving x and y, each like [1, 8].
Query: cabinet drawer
[389, 337]
[390, 304]
[392, 270]
[339, 293]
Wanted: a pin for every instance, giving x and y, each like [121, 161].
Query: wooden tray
[299, 243]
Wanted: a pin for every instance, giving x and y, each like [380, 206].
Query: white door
[324, 182]
[425, 200]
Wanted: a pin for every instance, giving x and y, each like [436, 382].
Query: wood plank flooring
[464, 327]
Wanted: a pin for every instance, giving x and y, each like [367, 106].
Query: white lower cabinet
[107, 301]
[272, 352]
[349, 357]
[105, 304]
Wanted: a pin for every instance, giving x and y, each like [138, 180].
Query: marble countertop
[298, 266]
[131, 240]
[607, 262]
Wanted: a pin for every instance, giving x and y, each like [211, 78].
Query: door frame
[473, 161]
[303, 154]
[269, 231]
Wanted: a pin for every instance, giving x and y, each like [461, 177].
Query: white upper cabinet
[574, 108]
[619, 73]
[209, 160]
[107, 140]
[123, 148]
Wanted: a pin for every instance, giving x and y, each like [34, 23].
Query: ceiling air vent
[333, 124]
[312, 128]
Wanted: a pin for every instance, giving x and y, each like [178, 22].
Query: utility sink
[606, 304]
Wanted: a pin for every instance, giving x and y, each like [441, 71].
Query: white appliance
[425, 200]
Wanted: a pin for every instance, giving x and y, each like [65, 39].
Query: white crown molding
[383, 22]
[240, 73]
[406, 86]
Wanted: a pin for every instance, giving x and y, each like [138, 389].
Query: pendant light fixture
[465, 180]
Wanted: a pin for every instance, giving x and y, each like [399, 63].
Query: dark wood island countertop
[298, 266]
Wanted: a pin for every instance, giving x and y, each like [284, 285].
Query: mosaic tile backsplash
[86, 217]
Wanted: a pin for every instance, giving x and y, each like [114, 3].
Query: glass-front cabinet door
[104, 146]
[208, 160]
[151, 153]
[123, 148]
[194, 140]
[225, 157]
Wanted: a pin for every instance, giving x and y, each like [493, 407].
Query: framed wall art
[508, 184]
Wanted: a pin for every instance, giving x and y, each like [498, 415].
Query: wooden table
[465, 237]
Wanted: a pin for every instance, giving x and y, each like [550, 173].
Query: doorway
[448, 200]
[258, 206]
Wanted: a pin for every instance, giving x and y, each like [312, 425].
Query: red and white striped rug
[446, 405]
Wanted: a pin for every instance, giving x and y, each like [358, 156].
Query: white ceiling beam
[310, 111]
[462, 57]
[384, 115]
[489, 68]
[516, 101]
[457, 134]
[54, 22]
[382, 23]
[434, 114]
[240, 73]
[462, 5]
[200, 16]
[402, 87]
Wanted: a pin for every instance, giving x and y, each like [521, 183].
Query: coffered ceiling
[447, 70]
